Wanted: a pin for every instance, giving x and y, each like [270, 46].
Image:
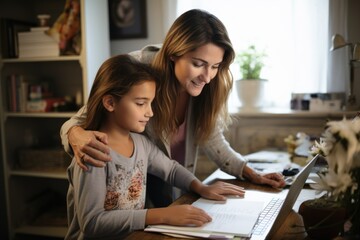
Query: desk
[189, 198]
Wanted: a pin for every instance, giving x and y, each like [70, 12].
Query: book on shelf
[9, 35]
[18, 90]
[35, 37]
[43, 51]
[39, 29]
[37, 43]
[26, 94]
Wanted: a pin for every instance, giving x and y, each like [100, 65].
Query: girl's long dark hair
[115, 77]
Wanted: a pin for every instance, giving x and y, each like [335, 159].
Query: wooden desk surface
[219, 175]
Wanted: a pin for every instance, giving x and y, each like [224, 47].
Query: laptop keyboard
[267, 216]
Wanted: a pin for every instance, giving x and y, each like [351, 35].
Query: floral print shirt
[126, 184]
[108, 203]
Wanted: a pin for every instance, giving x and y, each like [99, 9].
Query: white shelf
[42, 59]
[39, 115]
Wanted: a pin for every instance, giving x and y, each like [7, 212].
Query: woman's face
[195, 69]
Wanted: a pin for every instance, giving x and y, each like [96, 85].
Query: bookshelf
[35, 195]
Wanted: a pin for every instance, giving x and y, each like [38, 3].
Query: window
[294, 34]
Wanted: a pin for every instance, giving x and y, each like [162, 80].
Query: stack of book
[27, 94]
[37, 43]
[17, 93]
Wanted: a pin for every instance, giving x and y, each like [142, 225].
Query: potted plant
[340, 146]
[251, 88]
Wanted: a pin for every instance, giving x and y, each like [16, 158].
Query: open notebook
[236, 217]
[242, 217]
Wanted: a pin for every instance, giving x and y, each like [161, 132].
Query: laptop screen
[292, 195]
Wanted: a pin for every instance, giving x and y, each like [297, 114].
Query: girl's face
[133, 111]
[195, 69]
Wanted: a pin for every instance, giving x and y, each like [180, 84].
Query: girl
[109, 202]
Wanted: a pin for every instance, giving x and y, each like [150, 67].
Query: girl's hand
[217, 190]
[179, 215]
[89, 147]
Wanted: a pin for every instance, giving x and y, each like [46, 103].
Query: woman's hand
[275, 180]
[216, 191]
[89, 147]
[179, 215]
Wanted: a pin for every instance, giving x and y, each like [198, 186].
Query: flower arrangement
[340, 145]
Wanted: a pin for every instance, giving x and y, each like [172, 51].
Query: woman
[190, 110]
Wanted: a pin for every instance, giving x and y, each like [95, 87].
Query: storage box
[318, 105]
[43, 159]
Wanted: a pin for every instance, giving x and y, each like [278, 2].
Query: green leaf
[251, 62]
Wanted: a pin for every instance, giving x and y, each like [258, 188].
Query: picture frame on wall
[127, 19]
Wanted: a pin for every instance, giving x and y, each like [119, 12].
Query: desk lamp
[338, 41]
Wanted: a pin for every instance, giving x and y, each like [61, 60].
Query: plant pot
[251, 93]
[322, 222]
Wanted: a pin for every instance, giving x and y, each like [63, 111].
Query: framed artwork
[127, 19]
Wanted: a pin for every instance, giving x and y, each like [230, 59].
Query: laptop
[282, 207]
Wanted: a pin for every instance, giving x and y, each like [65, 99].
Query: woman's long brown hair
[190, 31]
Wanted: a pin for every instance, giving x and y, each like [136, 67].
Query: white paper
[268, 157]
[235, 217]
[184, 233]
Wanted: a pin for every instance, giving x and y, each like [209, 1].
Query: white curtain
[295, 36]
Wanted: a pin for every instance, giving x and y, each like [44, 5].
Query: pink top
[177, 144]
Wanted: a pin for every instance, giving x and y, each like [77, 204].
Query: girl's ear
[108, 102]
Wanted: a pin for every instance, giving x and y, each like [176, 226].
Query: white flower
[333, 182]
[321, 184]
[347, 142]
[327, 142]
[340, 145]
[319, 148]
[356, 125]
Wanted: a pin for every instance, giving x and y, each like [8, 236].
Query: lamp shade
[338, 41]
